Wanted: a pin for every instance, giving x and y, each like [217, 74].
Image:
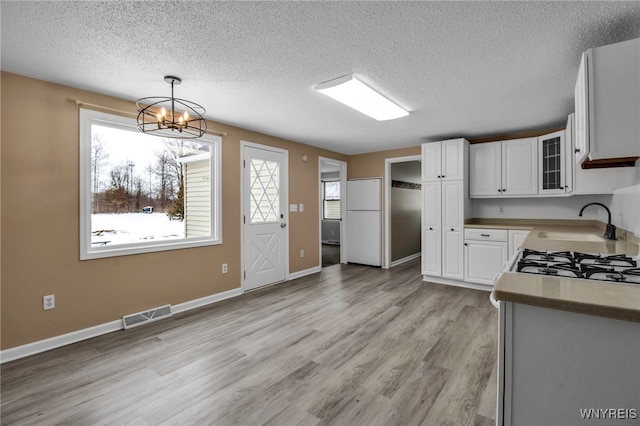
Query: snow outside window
[142, 193]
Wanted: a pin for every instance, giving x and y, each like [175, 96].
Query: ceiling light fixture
[357, 95]
[171, 117]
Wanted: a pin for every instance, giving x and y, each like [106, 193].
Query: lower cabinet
[516, 238]
[485, 252]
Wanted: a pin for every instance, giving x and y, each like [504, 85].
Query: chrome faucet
[610, 232]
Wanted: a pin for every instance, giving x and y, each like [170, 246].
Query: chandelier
[171, 117]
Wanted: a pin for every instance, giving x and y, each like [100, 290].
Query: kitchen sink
[569, 236]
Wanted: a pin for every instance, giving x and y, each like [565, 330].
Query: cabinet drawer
[486, 234]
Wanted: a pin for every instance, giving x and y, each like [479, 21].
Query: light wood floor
[352, 345]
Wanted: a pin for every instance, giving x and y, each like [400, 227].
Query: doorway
[332, 191]
[403, 209]
[264, 201]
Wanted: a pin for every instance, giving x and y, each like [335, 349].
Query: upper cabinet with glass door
[552, 164]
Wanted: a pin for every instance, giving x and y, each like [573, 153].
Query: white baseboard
[29, 349]
[304, 273]
[405, 259]
[439, 280]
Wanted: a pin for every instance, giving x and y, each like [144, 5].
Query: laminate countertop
[600, 298]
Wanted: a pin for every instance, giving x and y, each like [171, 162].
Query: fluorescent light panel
[357, 95]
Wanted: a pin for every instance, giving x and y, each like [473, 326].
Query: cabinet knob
[577, 150]
[466, 244]
[499, 190]
[452, 229]
[504, 190]
[439, 176]
[442, 176]
[430, 229]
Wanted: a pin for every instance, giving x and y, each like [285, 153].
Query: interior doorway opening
[333, 174]
[403, 209]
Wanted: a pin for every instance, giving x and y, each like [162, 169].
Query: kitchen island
[569, 348]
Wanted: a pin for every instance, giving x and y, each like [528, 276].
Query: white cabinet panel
[581, 123]
[552, 171]
[453, 159]
[520, 167]
[431, 204]
[516, 238]
[485, 169]
[452, 204]
[453, 254]
[483, 260]
[431, 161]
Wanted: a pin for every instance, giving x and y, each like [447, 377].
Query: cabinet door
[581, 123]
[453, 159]
[520, 167]
[453, 253]
[483, 260]
[516, 238]
[569, 169]
[485, 169]
[431, 161]
[551, 154]
[452, 204]
[431, 228]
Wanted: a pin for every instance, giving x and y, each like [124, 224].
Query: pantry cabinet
[504, 168]
[444, 192]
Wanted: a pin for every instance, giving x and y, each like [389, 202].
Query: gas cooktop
[616, 268]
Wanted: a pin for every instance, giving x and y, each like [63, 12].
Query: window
[331, 202]
[142, 193]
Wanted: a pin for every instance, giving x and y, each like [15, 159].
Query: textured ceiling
[461, 68]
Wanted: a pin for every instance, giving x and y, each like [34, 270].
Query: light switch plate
[301, 207]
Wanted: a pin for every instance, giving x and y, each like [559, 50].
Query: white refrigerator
[364, 221]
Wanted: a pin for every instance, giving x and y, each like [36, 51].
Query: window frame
[324, 199]
[90, 117]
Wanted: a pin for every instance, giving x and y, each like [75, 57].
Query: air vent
[140, 318]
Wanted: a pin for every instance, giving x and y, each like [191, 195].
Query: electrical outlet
[48, 302]
[301, 253]
[224, 268]
[500, 209]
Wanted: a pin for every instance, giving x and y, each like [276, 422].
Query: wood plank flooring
[352, 345]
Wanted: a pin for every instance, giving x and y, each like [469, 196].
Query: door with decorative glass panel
[264, 216]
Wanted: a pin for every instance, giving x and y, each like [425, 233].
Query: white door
[483, 260]
[265, 216]
[485, 169]
[520, 167]
[452, 229]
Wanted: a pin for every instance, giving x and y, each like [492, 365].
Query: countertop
[611, 300]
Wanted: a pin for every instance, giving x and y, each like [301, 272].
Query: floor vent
[140, 318]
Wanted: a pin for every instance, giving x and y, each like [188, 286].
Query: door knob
[282, 225]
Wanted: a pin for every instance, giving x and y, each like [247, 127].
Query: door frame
[343, 207]
[285, 197]
[386, 259]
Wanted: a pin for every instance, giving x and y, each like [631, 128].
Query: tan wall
[40, 222]
[372, 165]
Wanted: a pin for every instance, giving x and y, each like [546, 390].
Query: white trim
[285, 211]
[39, 346]
[304, 273]
[29, 349]
[405, 259]
[456, 283]
[387, 204]
[343, 207]
[89, 117]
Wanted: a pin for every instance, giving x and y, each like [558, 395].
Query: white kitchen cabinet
[569, 167]
[516, 238]
[552, 176]
[607, 103]
[485, 252]
[452, 229]
[444, 208]
[443, 160]
[504, 168]
[432, 228]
